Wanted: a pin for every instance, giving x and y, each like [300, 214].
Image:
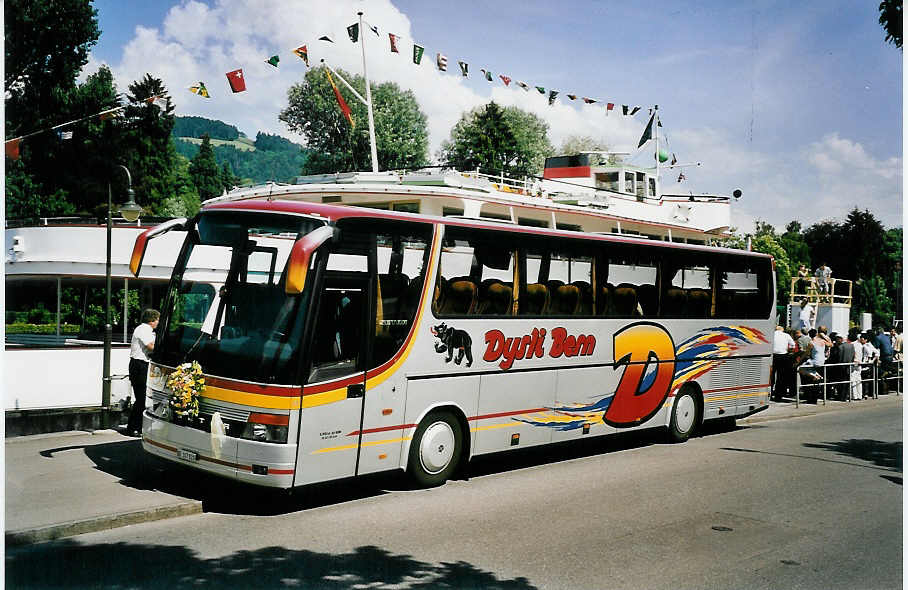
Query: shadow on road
[138, 470]
[124, 565]
[883, 454]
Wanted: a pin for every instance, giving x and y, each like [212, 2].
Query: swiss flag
[237, 82]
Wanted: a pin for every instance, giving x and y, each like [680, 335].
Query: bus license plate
[187, 455]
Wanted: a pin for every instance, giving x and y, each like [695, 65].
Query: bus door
[332, 406]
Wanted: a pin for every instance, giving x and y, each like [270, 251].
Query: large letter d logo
[648, 354]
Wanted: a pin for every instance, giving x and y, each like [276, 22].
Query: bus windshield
[226, 307]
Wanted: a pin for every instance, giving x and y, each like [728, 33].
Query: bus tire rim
[436, 449]
[685, 413]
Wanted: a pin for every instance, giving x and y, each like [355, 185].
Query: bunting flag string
[505, 79]
[345, 109]
[418, 50]
[524, 85]
[273, 60]
[552, 95]
[353, 31]
[442, 62]
[464, 68]
[12, 145]
[486, 74]
[325, 38]
[200, 90]
[393, 39]
[236, 81]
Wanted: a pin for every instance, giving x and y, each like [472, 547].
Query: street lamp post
[130, 211]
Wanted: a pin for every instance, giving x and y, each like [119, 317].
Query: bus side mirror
[138, 250]
[300, 256]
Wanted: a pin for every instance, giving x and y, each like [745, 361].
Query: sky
[797, 104]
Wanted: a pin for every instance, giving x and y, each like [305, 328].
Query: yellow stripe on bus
[365, 444]
[326, 397]
[271, 402]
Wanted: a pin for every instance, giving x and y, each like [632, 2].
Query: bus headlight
[267, 427]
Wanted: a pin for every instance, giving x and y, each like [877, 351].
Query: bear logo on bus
[451, 339]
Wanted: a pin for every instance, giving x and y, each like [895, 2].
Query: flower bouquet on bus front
[186, 384]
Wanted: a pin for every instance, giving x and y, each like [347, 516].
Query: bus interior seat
[393, 288]
[553, 284]
[535, 301]
[648, 298]
[459, 297]
[698, 303]
[496, 298]
[586, 297]
[675, 302]
[624, 300]
[565, 300]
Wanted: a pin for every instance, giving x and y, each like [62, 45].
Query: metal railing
[890, 377]
[839, 291]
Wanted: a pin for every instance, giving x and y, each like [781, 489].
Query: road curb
[807, 410]
[100, 523]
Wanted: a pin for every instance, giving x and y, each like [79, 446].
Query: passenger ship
[574, 193]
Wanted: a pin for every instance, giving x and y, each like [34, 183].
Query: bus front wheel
[685, 415]
[435, 449]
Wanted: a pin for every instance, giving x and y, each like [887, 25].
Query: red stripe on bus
[246, 387]
[382, 429]
[735, 388]
[514, 413]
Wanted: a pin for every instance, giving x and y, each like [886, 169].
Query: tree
[891, 21]
[228, 178]
[204, 171]
[498, 140]
[47, 44]
[401, 134]
[147, 145]
[184, 201]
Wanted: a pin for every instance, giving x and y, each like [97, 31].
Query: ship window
[641, 185]
[607, 181]
[652, 186]
[629, 183]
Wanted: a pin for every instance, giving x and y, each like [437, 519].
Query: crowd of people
[851, 359]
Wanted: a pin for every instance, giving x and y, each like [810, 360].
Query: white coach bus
[338, 341]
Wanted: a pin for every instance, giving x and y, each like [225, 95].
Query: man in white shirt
[806, 316]
[142, 344]
[869, 354]
[782, 348]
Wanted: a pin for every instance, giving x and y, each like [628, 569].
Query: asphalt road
[811, 502]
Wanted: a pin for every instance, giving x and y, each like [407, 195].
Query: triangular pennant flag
[540, 89]
[552, 95]
[572, 96]
[658, 122]
[634, 110]
[681, 177]
[524, 85]
[417, 53]
[648, 134]
[236, 80]
[110, 114]
[353, 31]
[674, 159]
[487, 74]
[12, 148]
[609, 107]
[273, 60]
[325, 38]
[505, 79]
[442, 62]
[624, 109]
[464, 68]
[345, 109]
[393, 39]
[303, 54]
[589, 100]
[374, 30]
[198, 89]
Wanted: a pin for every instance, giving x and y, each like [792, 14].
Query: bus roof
[334, 213]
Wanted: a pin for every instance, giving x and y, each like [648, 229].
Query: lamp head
[131, 210]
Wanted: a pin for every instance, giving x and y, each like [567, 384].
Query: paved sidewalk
[69, 483]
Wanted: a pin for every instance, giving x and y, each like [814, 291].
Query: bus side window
[633, 271]
[745, 289]
[401, 256]
[476, 274]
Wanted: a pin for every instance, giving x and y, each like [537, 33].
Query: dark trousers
[782, 376]
[138, 376]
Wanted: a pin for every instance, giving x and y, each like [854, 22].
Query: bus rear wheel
[435, 449]
[685, 416]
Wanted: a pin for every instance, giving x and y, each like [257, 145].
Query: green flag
[648, 134]
[540, 89]
[273, 60]
[353, 31]
[417, 53]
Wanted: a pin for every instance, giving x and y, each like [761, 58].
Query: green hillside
[268, 157]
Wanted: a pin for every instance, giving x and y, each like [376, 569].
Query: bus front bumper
[258, 463]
